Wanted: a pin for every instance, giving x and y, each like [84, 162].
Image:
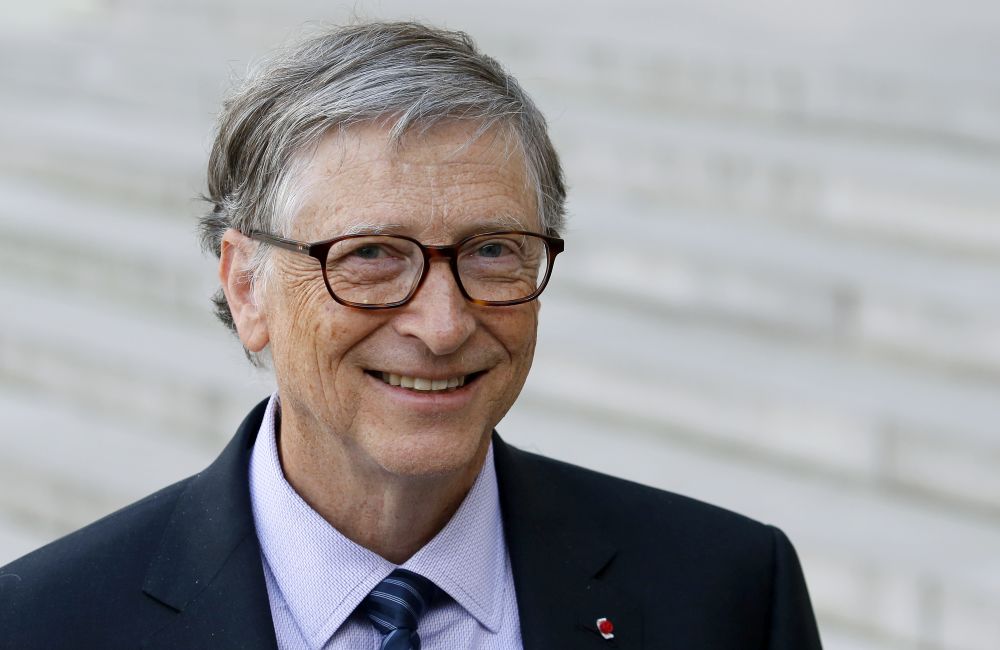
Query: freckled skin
[384, 473]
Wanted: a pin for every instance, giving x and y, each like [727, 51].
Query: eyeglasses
[385, 271]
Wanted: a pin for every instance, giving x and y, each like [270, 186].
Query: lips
[424, 384]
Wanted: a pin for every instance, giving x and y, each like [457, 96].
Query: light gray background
[781, 290]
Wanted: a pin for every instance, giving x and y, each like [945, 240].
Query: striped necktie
[395, 606]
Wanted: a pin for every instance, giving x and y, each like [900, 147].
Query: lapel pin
[606, 628]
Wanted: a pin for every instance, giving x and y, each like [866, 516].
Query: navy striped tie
[395, 606]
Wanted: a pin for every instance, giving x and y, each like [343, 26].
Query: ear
[234, 258]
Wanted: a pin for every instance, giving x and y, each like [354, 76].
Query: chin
[431, 454]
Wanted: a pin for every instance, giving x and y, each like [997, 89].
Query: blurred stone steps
[105, 151]
[932, 197]
[158, 79]
[784, 280]
[796, 370]
[138, 258]
[848, 104]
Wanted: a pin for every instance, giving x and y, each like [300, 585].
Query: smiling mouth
[424, 384]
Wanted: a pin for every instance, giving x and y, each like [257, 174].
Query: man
[386, 205]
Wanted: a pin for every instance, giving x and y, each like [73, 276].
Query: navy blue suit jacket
[182, 568]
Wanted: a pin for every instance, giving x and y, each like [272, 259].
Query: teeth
[421, 383]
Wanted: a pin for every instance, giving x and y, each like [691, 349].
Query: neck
[394, 515]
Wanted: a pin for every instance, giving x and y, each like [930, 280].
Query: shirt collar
[323, 576]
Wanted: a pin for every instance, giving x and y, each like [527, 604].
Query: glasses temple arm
[280, 242]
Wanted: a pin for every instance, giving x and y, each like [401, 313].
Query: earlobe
[234, 258]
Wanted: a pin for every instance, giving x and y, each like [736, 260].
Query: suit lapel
[208, 567]
[561, 563]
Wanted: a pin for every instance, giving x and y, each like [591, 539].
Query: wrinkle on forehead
[342, 147]
[367, 152]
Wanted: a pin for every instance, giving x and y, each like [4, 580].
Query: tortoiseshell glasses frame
[320, 251]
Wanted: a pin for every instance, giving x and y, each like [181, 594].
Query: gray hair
[401, 75]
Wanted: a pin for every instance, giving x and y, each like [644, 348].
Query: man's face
[329, 359]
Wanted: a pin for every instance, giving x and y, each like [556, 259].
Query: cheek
[297, 326]
[516, 330]
[301, 341]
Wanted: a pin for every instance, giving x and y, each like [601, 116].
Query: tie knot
[395, 606]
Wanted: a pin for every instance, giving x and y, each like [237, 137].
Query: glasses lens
[373, 270]
[503, 266]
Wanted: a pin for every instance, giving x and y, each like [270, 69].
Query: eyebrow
[506, 222]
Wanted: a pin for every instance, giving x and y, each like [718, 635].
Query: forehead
[440, 184]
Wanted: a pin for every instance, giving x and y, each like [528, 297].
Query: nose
[438, 315]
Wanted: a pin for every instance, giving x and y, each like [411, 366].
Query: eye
[369, 252]
[491, 249]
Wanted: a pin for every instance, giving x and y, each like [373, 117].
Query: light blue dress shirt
[316, 577]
